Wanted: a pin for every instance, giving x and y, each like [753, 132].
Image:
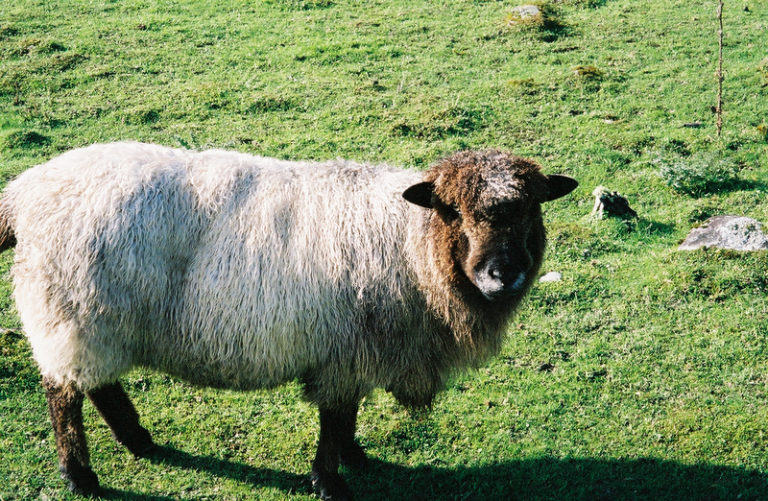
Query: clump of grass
[706, 274]
[763, 68]
[140, 115]
[584, 3]
[702, 213]
[24, 139]
[211, 95]
[7, 31]
[300, 4]
[762, 129]
[27, 46]
[526, 86]
[271, 103]
[587, 72]
[698, 174]
[62, 62]
[440, 123]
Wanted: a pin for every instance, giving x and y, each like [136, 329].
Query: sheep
[235, 271]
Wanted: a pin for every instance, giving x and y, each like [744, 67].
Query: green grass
[642, 375]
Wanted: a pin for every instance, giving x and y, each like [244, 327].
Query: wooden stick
[719, 109]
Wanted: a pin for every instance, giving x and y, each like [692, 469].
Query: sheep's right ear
[420, 194]
[559, 186]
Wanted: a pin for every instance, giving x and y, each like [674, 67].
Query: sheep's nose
[497, 278]
[509, 279]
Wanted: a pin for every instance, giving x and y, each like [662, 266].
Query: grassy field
[643, 374]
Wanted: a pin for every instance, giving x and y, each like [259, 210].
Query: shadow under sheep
[529, 479]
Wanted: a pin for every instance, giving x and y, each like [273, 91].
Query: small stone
[552, 276]
[727, 232]
[525, 11]
[611, 203]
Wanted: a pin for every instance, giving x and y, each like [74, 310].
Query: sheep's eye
[505, 213]
[450, 212]
[505, 210]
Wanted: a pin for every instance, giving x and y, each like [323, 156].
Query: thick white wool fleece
[222, 268]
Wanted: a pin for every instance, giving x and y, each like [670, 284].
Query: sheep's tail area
[7, 233]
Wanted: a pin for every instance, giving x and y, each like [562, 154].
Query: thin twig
[719, 109]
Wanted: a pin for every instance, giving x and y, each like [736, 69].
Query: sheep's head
[486, 219]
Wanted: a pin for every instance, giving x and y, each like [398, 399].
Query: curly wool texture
[231, 270]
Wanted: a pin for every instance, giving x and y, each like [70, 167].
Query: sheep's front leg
[350, 453]
[117, 410]
[65, 404]
[337, 432]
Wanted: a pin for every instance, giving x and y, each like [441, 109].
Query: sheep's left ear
[420, 194]
[559, 186]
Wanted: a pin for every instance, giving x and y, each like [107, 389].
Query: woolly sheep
[235, 271]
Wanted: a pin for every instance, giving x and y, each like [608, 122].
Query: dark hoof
[82, 480]
[143, 451]
[354, 457]
[139, 444]
[330, 486]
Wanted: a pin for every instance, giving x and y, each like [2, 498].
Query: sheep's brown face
[487, 219]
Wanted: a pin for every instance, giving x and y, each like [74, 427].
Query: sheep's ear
[420, 194]
[559, 186]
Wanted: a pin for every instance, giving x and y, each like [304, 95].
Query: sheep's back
[290, 278]
[223, 268]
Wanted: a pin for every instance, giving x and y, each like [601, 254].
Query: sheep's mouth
[500, 296]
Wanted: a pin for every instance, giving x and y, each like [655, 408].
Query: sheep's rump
[222, 268]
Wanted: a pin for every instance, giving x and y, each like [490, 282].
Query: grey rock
[727, 232]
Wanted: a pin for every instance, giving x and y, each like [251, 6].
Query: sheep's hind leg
[337, 431]
[117, 410]
[65, 404]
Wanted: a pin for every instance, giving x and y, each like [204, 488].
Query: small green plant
[762, 129]
[702, 213]
[524, 86]
[763, 69]
[698, 174]
[587, 72]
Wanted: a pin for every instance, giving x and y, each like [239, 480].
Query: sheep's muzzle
[498, 278]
